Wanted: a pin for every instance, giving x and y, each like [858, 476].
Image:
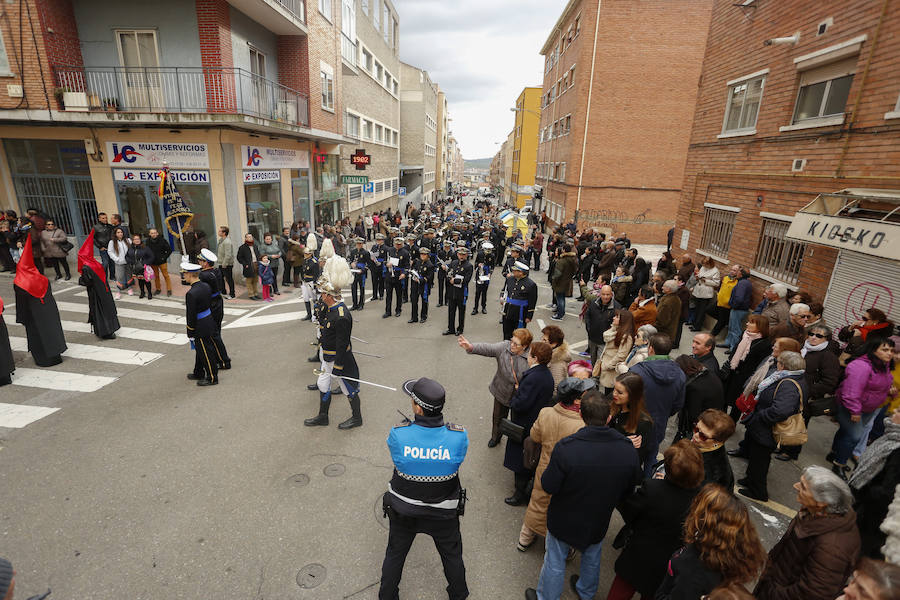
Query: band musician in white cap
[521, 299]
[200, 326]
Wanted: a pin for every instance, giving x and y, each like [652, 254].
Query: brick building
[619, 90]
[371, 94]
[241, 99]
[418, 121]
[796, 100]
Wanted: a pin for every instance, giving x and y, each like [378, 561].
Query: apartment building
[494, 172]
[442, 160]
[794, 159]
[241, 99]
[524, 154]
[418, 121]
[619, 89]
[508, 194]
[454, 163]
[371, 94]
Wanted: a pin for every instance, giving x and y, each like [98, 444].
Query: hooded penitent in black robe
[102, 314]
[7, 365]
[43, 328]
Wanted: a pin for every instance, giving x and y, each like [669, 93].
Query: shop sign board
[261, 177]
[354, 179]
[153, 175]
[876, 238]
[263, 157]
[153, 155]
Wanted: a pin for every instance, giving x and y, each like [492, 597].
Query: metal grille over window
[718, 228]
[778, 257]
[355, 192]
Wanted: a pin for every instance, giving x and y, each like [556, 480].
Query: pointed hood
[86, 259]
[28, 277]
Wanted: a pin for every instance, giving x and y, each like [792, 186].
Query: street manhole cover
[334, 470]
[311, 576]
[300, 479]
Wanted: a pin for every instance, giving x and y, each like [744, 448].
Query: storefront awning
[855, 219]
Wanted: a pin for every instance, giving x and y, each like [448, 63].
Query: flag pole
[168, 183]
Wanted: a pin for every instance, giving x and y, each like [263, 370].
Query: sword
[367, 354]
[353, 337]
[387, 387]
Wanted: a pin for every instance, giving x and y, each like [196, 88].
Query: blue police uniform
[423, 496]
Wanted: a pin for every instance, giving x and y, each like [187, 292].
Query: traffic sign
[403, 191]
[369, 187]
[354, 179]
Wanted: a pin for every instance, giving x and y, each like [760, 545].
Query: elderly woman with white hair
[820, 547]
[640, 350]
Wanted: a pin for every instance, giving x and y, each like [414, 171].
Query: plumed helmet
[336, 276]
[311, 242]
[327, 250]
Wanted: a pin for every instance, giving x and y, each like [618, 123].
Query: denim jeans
[553, 572]
[849, 434]
[108, 265]
[560, 305]
[734, 327]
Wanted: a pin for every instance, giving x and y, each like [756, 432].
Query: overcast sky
[482, 53]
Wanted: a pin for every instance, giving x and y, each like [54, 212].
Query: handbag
[745, 403]
[821, 407]
[148, 273]
[515, 433]
[66, 246]
[791, 431]
[531, 453]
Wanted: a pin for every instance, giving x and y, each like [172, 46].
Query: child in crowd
[266, 278]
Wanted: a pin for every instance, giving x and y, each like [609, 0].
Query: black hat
[6, 576]
[572, 387]
[427, 393]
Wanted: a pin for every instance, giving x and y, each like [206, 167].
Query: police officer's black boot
[320, 419]
[355, 419]
[308, 316]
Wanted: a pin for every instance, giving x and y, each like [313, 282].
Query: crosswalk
[150, 330]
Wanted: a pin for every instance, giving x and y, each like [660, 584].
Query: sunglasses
[817, 335]
[702, 436]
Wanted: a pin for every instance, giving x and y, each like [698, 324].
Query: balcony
[348, 54]
[180, 90]
[283, 17]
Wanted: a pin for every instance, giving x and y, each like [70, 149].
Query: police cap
[427, 393]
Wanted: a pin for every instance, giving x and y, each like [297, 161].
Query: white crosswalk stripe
[160, 303]
[19, 415]
[131, 313]
[99, 353]
[60, 380]
[131, 333]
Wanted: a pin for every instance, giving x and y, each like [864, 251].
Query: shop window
[718, 229]
[263, 208]
[300, 194]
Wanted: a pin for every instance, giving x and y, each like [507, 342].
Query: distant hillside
[479, 163]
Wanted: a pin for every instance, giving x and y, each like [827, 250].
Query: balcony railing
[180, 90]
[348, 50]
[295, 7]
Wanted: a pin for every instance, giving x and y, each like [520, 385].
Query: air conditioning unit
[798, 165]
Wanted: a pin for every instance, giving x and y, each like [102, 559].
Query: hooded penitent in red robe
[36, 310]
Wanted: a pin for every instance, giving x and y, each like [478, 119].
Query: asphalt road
[149, 487]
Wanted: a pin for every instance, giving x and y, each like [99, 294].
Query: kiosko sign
[877, 238]
[262, 157]
[143, 155]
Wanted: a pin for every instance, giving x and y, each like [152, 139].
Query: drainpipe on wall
[587, 115]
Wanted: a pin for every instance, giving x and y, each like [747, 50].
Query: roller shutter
[860, 282]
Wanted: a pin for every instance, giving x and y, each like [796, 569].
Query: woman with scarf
[752, 349]
[867, 384]
[618, 340]
[779, 396]
[873, 484]
[559, 362]
[874, 324]
[640, 350]
[553, 424]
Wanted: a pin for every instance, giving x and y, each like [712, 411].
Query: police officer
[359, 260]
[420, 281]
[397, 264]
[310, 274]
[335, 349]
[379, 256]
[212, 277]
[521, 299]
[459, 274]
[444, 257]
[484, 266]
[424, 494]
[200, 326]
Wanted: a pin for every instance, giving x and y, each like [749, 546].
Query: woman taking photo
[722, 547]
[117, 250]
[873, 325]
[619, 339]
[817, 552]
[534, 392]
[654, 521]
[553, 424]
[629, 416]
[867, 383]
[512, 361]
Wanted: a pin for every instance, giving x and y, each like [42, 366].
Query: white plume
[336, 274]
[327, 250]
[311, 242]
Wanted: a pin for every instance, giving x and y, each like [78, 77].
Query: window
[379, 135]
[327, 90]
[396, 138]
[379, 71]
[824, 91]
[386, 25]
[562, 172]
[351, 125]
[396, 33]
[718, 227]
[778, 257]
[325, 8]
[568, 124]
[395, 86]
[376, 13]
[367, 129]
[743, 105]
[572, 76]
[365, 6]
[367, 60]
[4, 58]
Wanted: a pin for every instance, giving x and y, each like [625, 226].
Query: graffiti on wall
[867, 295]
[612, 218]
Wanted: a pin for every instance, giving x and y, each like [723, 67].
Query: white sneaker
[130, 292]
[117, 296]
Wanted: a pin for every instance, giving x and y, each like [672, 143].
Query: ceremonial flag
[178, 213]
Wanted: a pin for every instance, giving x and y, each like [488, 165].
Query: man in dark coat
[703, 347]
[598, 318]
[200, 327]
[102, 314]
[214, 279]
[534, 393]
[521, 300]
[7, 364]
[589, 474]
[36, 310]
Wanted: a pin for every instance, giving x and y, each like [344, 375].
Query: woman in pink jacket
[866, 386]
